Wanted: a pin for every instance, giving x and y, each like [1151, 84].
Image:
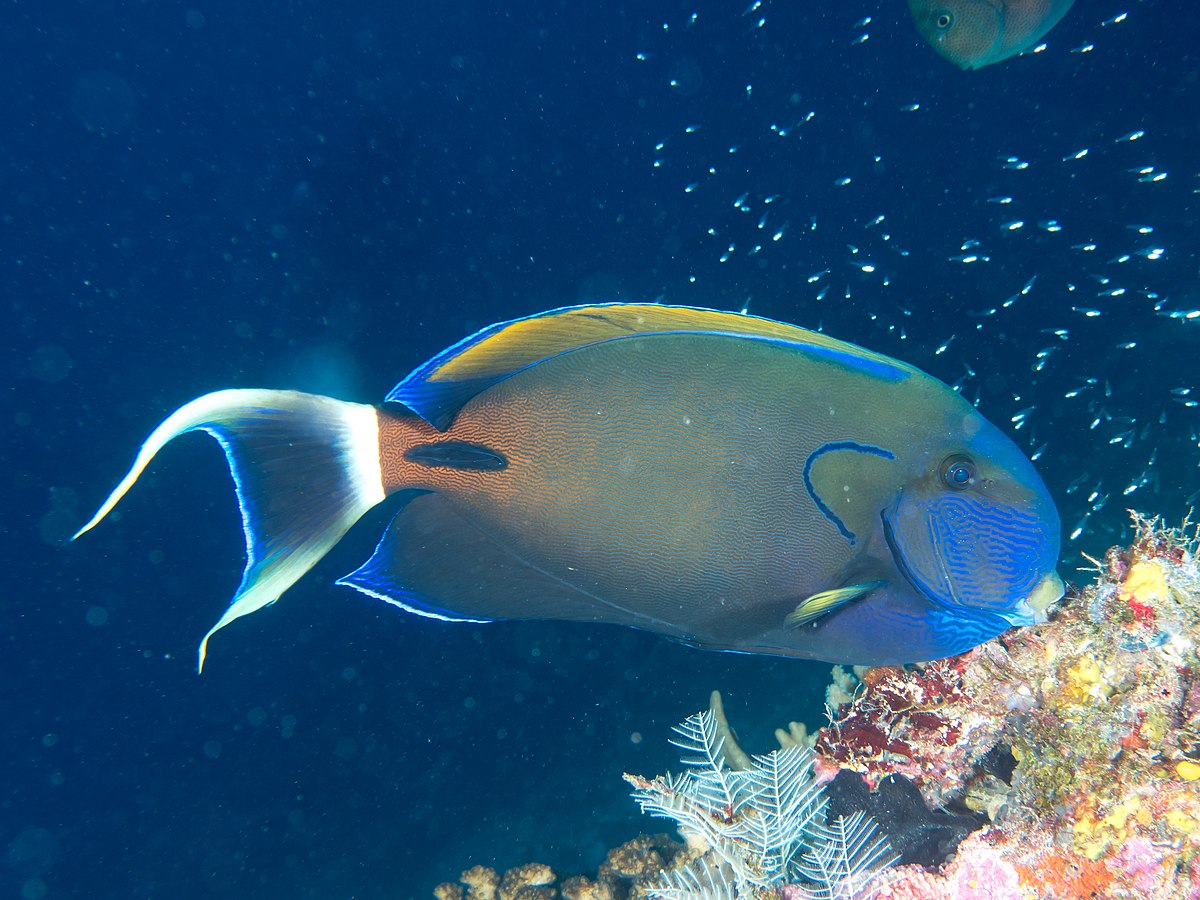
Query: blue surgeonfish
[976, 33]
[728, 481]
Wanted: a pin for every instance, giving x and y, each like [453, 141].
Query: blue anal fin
[379, 577]
[435, 560]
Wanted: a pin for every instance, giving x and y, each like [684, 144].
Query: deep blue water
[320, 196]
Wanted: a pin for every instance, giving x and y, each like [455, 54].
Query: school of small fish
[1104, 380]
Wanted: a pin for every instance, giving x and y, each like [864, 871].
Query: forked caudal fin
[305, 469]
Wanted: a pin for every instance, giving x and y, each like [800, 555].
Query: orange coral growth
[1066, 875]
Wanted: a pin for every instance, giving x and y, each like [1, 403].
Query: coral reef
[1078, 739]
[756, 828]
[1056, 762]
[623, 876]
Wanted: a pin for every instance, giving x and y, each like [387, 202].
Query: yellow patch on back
[527, 341]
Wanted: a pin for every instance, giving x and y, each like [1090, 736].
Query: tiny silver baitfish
[725, 480]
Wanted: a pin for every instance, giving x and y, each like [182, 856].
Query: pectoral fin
[826, 601]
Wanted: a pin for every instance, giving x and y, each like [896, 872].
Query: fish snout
[1032, 610]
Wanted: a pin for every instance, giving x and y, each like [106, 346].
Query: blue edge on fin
[376, 579]
[438, 402]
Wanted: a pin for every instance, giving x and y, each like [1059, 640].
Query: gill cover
[970, 552]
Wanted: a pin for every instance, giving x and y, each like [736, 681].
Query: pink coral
[978, 871]
[1141, 863]
[985, 876]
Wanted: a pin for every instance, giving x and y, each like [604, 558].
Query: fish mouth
[1032, 610]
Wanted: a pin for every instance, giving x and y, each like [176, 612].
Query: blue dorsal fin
[437, 390]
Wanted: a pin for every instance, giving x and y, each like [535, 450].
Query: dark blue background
[320, 196]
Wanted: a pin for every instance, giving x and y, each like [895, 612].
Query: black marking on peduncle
[456, 455]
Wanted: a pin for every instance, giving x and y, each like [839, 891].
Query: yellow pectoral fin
[826, 601]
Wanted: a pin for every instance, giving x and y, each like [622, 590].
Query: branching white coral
[762, 827]
[843, 863]
[698, 880]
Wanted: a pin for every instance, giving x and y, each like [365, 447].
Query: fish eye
[944, 21]
[958, 473]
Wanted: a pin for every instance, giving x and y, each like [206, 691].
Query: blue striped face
[978, 533]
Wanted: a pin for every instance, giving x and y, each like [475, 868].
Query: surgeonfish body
[976, 33]
[725, 480]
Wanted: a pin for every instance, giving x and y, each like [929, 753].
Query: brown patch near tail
[397, 435]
